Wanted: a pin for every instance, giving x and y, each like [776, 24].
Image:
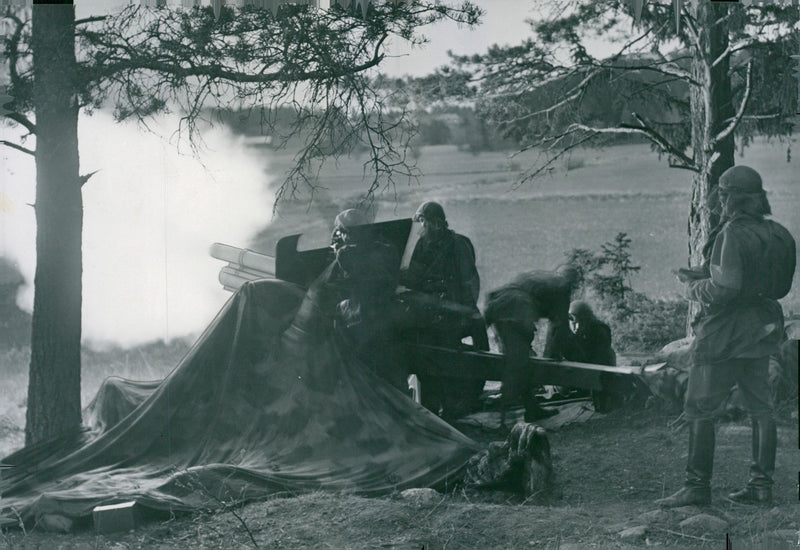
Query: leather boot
[534, 411]
[765, 443]
[699, 467]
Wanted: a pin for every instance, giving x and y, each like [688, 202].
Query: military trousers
[710, 384]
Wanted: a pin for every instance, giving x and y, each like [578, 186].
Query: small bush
[607, 274]
[638, 323]
[649, 324]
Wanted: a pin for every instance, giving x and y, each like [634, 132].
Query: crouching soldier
[514, 310]
[591, 343]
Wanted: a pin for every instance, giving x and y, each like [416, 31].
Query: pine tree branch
[22, 120]
[691, 29]
[760, 117]
[12, 52]
[17, 147]
[527, 86]
[85, 177]
[724, 55]
[684, 167]
[740, 112]
[744, 45]
[240, 77]
[573, 94]
[686, 76]
[93, 19]
[555, 142]
[649, 133]
[661, 141]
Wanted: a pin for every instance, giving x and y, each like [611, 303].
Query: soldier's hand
[686, 275]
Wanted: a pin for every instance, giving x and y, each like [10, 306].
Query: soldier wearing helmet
[739, 325]
[361, 282]
[442, 267]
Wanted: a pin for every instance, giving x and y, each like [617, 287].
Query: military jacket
[736, 320]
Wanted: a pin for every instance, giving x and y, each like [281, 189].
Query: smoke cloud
[150, 214]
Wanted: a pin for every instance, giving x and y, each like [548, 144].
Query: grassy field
[584, 203]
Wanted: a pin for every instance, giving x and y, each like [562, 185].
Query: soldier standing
[740, 324]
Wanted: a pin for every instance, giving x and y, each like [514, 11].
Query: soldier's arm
[725, 270]
[467, 272]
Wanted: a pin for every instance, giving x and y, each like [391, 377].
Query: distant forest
[456, 114]
[461, 126]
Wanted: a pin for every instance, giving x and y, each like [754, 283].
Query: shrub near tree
[638, 323]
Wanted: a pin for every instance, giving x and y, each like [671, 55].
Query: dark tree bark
[712, 111]
[55, 370]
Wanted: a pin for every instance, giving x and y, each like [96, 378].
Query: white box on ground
[112, 518]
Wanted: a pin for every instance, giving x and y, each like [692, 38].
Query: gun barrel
[242, 258]
[231, 278]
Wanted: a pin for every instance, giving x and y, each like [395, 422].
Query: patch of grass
[573, 162]
[14, 364]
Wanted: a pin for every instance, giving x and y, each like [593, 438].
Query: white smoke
[150, 215]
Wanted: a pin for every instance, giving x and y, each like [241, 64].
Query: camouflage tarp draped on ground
[268, 400]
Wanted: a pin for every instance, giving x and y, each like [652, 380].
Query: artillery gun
[303, 266]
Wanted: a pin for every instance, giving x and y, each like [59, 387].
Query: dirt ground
[610, 469]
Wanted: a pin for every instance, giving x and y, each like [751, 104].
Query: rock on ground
[704, 523]
[54, 523]
[421, 496]
[633, 533]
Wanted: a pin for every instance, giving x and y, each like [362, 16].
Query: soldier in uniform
[739, 326]
[591, 337]
[442, 269]
[514, 310]
[591, 343]
[363, 278]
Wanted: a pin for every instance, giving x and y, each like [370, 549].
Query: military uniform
[442, 267]
[736, 330]
[361, 283]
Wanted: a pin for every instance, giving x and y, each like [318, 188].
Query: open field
[606, 191]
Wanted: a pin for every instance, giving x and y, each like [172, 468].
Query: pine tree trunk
[55, 369]
[712, 109]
